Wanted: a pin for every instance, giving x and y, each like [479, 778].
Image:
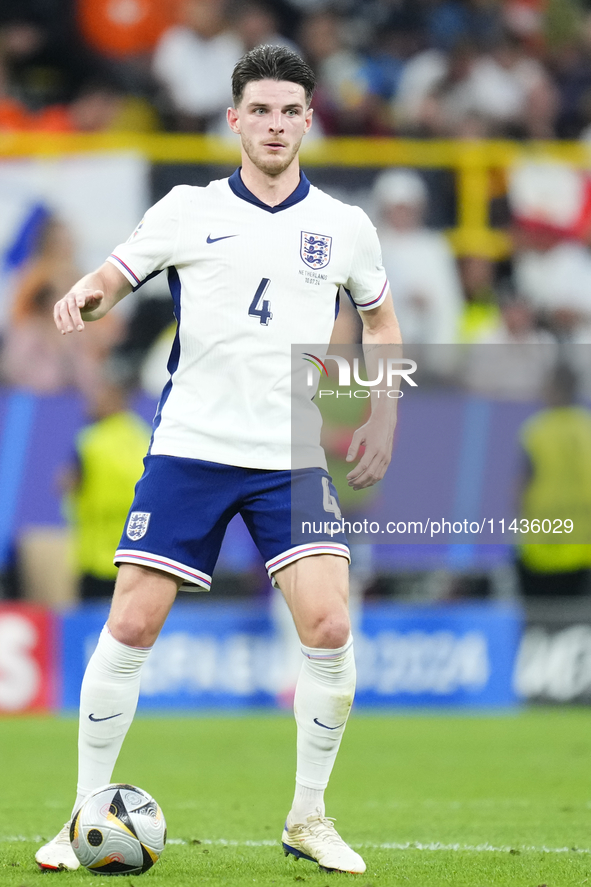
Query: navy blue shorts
[182, 507]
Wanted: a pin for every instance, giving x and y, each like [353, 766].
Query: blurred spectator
[505, 90]
[257, 24]
[556, 279]
[562, 20]
[419, 262]
[448, 22]
[570, 66]
[512, 360]
[551, 207]
[436, 68]
[51, 262]
[13, 113]
[481, 314]
[99, 485]
[433, 68]
[411, 105]
[557, 487]
[525, 19]
[94, 109]
[24, 223]
[513, 92]
[99, 106]
[517, 325]
[123, 28]
[435, 95]
[193, 63]
[34, 355]
[396, 38]
[43, 57]
[344, 102]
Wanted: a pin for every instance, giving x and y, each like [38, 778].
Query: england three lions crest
[315, 249]
[137, 524]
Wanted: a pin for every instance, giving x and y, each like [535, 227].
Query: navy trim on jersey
[146, 279]
[174, 284]
[240, 190]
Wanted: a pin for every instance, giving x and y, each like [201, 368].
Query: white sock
[323, 700]
[108, 700]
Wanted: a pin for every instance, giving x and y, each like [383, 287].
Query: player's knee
[133, 630]
[141, 602]
[330, 631]
[132, 625]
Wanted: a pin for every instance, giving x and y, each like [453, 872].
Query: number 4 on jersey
[260, 307]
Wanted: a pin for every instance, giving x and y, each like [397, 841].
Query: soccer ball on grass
[118, 830]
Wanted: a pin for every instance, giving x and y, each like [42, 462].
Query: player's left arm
[380, 328]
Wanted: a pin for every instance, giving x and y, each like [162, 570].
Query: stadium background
[486, 107]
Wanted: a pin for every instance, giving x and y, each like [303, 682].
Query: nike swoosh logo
[211, 239]
[320, 724]
[108, 718]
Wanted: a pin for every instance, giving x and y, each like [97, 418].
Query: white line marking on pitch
[409, 845]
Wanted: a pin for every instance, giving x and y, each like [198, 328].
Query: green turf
[521, 784]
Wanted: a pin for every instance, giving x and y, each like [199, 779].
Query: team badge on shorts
[315, 249]
[137, 525]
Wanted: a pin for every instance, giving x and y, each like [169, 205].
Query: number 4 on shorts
[261, 307]
[329, 503]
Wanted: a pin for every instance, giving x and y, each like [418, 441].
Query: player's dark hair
[272, 63]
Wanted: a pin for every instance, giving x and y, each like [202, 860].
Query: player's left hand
[377, 438]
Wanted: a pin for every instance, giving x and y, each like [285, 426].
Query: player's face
[271, 120]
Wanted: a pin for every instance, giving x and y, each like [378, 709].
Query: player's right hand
[67, 313]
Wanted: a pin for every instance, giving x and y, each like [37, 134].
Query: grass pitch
[428, 800]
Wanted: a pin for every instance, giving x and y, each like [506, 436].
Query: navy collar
[240, 190]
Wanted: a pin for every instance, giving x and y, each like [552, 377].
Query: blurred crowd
[426, 68]
[423, 68]
[514, 69]
[512, 324]
[538, 294]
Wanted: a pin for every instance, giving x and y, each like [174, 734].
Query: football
[118, 830]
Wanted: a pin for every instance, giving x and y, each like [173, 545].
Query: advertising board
[215, 655]
[28, 664]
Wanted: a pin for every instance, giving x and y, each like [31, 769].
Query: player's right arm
[91, 298]
[151, 248]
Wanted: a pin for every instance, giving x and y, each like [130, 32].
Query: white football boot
[318, 840]
[57, 855]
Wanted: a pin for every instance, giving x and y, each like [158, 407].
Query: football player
[254, 263]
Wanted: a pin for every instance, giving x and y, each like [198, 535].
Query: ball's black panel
[116, 868]
[148, 861]
[119, 810]
[73, 825]
[94, 837]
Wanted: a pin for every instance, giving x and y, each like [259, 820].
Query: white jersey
[247, 281]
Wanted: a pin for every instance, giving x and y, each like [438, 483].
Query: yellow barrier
[471, 160]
